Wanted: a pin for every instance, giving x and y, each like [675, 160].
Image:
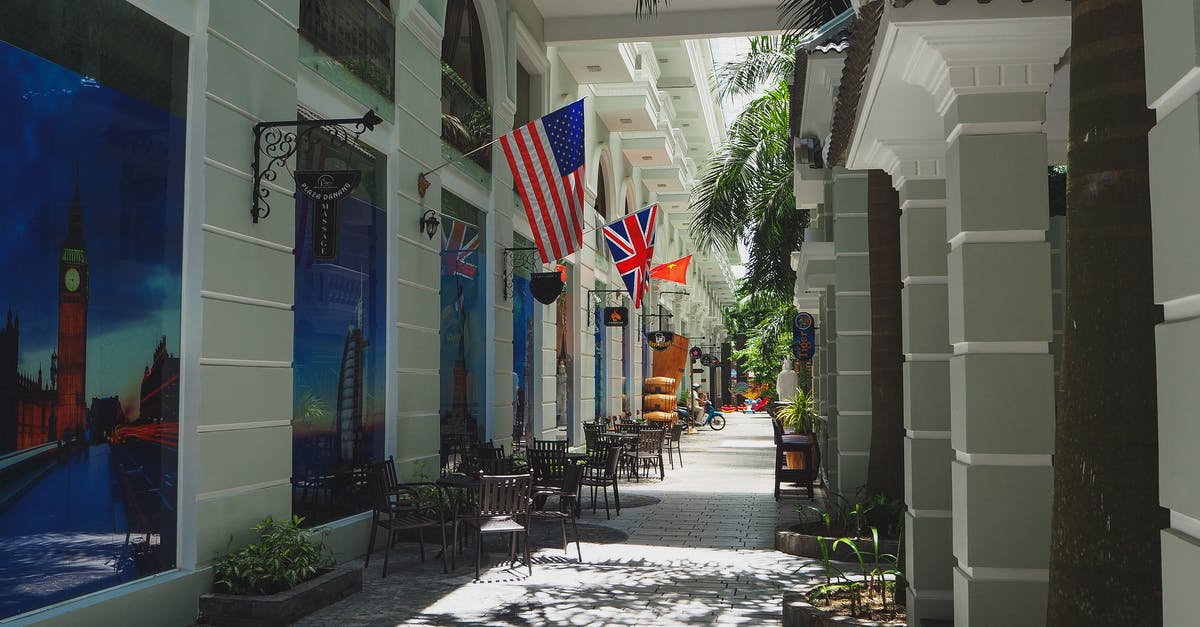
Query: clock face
[71, 279]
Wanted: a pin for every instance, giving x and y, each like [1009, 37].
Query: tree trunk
[1104, 555]
[885, 468]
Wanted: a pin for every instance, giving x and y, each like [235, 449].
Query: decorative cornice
[909, 159]
[993, 56]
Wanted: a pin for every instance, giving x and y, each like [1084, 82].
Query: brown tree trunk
[885, 468]
[1104, 554]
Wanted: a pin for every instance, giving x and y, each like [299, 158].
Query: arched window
[466, 115]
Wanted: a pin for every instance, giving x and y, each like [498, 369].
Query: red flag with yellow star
[672, 270]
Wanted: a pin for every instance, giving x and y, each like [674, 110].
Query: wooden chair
[567, 505]
[400, 506]
[503, 507]
[793, 444]
[648, 453]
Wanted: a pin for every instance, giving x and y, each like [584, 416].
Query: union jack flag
[460, 248]
[631, 240]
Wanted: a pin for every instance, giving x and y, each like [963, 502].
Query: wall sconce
[429, 223]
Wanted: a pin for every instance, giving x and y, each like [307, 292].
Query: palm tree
[746, 192]
[1104, 553]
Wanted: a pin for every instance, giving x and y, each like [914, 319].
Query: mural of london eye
[90, 239]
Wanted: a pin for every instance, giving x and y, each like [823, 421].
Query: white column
[1172, 69]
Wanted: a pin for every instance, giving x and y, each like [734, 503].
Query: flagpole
[423, 183]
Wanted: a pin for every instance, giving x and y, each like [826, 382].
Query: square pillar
[852, 293]
[1172, 64]
[927, 450]
[1001, 369]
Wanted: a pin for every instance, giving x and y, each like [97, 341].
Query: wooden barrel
[669, 417]
[659, 402]
[659, 385]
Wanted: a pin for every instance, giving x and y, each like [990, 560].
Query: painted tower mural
[338, 373]
[92, 165]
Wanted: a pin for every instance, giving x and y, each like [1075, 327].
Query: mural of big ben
[72, 324]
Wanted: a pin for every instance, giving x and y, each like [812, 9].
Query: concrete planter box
[798, 612]
[282, 608]
[807, 545]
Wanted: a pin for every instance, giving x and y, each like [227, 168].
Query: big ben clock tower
[72, 324]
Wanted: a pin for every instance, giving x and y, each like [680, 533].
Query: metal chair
[601, 472]
[547, 445]
[567, 506]
[400, 506]
[648, 453]
[503, 507]
[671, 442]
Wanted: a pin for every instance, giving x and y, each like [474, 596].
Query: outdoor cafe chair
[400, 506]
[546, 445]
[601, 472]
[547, 466]
[671, 440]
[503, 506]
[647, 453]
[591, 434]
[566, 507]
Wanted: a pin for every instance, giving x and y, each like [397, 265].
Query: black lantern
[429, 223]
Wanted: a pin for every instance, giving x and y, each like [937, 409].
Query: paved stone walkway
[702, 555]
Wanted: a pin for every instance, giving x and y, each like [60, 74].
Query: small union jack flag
[631, 240]
[460, 248]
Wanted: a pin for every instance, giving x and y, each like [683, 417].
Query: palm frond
[802, 16]
[646, 8]
[769, 60]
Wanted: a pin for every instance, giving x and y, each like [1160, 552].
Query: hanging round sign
[660, 340]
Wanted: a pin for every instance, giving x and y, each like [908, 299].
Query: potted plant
[284, 575]
[799, 417]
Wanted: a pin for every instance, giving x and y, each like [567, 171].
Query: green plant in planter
[283, 557]
[879, 576]
[800, 415]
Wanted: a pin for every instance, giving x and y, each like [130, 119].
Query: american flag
[546, 158]
[460, 246]
[631, 240]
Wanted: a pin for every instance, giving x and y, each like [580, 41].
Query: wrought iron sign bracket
[591, 292]
[519, 258]
[277, 145]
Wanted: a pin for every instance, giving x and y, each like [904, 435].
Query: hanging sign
[660, 340]
[326, 188]
[546, 286]
[695, 352]
[707, 360]
[804, 339]
[616, 316]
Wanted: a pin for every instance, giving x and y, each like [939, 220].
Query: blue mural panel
[91, 238]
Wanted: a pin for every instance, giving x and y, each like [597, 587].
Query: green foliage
[879, 574]
[843, 517]
[766, 321]
[283, 557]
[800, 414]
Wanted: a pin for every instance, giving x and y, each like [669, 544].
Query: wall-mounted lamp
[429, 223]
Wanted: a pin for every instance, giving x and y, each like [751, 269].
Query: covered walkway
[693, 549]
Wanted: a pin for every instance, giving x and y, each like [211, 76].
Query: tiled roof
[854, 73]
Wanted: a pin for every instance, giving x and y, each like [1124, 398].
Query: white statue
[787, 382]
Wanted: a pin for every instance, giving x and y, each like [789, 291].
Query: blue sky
[130, 166]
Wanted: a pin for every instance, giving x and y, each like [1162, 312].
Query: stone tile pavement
[701, 555]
